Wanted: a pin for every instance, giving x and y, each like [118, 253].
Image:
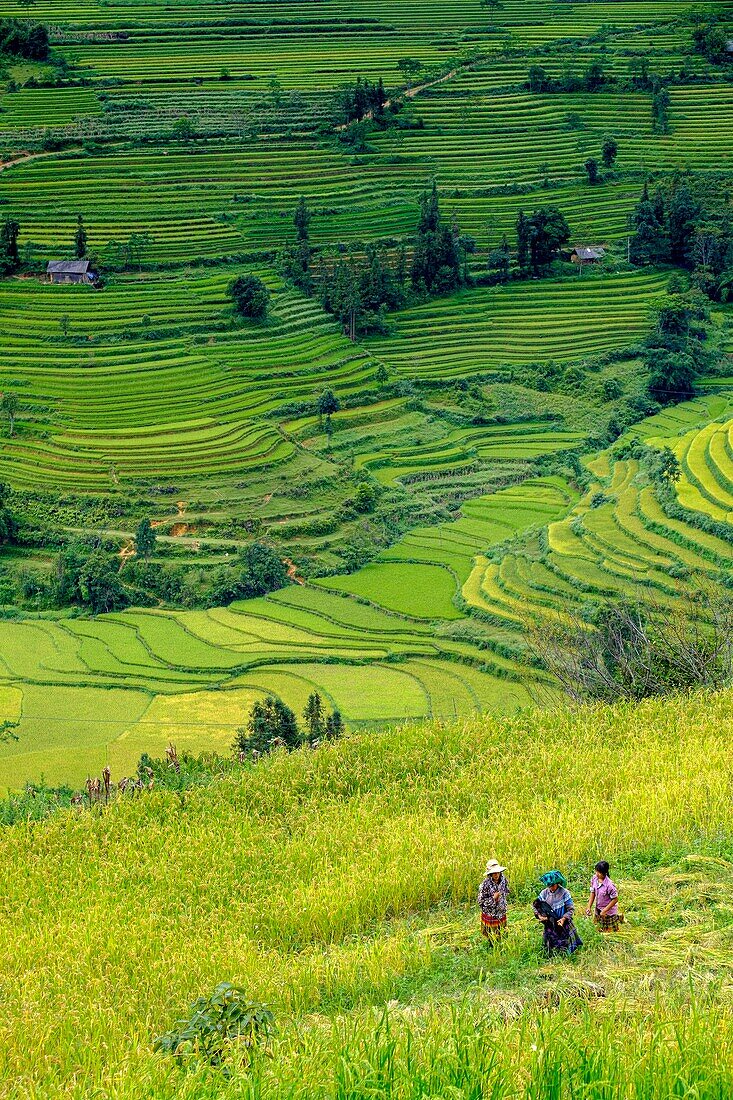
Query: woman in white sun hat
[492, 901]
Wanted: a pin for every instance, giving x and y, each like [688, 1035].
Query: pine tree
[649, 241]
[315, 718]
[9, 254]
[269, 721]
[80, 239]
[145, 539]
[334, 726]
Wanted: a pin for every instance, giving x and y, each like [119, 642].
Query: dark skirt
[561, 939]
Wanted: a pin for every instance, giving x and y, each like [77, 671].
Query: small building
[587, 254]
[69, 271]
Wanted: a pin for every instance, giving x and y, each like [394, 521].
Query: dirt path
[410, 93]
[127, 552]
[23, 158]
[293, 571]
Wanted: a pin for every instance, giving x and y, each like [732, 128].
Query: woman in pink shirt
[603, 900]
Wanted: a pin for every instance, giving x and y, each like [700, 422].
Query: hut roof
[67, 267]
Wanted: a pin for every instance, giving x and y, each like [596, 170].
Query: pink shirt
[605, 892]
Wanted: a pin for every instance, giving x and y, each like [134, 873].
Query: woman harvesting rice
[492, 900]
[603, 900]
[559, 919]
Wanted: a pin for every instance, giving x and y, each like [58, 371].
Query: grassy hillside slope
[338, 884]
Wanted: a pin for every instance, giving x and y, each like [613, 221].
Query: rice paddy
[367, 934]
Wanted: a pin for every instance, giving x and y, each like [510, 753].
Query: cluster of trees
[250, 296]
[22, 38]
[593, 79]
[710, 38]
[687, 223]
[272, 725]
[9, 253]
[609, 152]
[540, 236]
[90, 573]
[362, 99]
[677, 350]
[257, 570]
[359, 288]
[637, 651]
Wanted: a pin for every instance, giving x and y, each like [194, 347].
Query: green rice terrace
[441, 423]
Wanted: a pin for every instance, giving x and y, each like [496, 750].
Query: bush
[216, 1025]
[250, 296]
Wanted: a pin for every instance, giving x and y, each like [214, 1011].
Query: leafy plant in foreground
[217, 1024]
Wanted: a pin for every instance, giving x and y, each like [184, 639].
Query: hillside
[426, 432]
[338, 886]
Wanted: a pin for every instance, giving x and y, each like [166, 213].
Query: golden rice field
[331, 884]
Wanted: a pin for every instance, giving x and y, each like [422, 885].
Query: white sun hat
[493, 867]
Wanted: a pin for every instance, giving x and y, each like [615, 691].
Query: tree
[437, 258]
[327, 405]
[682, 214]
[8, 525]
[711, 40]
[250, 296]
[9, 254]
[660, 111]
[594, 78]
[499, 261]
[80, 239]
[99, 584]
[672, 376]
[9, 408]
[145, 539]
[334, 726]
[609, 152]
[183, 129]
[382, 375]
[636, 651]
[676, 348]
[591, 167]
[548, 232]
[137, 245]
[409, 66]
[271, 724]
[538, 80]
[649, 242]
[65, 323]
[315, 718]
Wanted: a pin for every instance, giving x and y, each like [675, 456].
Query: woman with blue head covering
[555, 908]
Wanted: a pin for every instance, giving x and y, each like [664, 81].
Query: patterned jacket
[488, 905]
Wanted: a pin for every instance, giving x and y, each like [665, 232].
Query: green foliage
[609, 152]
[26, 39]
[259, 569]
[217, 1024]
[711, 38]
[9, 254]
[437, 264]
[271, 724]
[250, 296]
[145, 539]
[80, 239]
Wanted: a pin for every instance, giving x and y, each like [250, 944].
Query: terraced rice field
[148, 391]
[624, 544]
[390, 655]
[491, 331]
